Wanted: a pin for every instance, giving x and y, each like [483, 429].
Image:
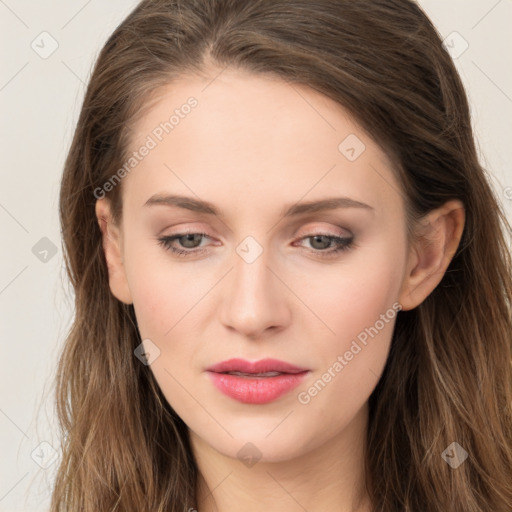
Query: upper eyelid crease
[196, 205]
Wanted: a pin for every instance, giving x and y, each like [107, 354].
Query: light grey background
[40, 100]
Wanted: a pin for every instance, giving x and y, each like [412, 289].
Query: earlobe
[112, 248]
[439, 237]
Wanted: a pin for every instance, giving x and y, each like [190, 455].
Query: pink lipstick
[256, 382]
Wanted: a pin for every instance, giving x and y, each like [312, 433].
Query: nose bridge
[253, 300]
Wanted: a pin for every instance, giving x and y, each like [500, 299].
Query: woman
[293, 286]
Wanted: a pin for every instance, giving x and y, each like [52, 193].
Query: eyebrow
[196, 205]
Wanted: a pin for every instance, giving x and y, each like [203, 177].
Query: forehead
[256, 140]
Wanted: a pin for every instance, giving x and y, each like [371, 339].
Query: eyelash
[343, 244]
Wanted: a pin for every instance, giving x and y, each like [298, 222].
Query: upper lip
[261, 366]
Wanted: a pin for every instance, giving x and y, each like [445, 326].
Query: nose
[255, 298]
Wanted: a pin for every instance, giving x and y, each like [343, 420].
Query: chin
[256, 446]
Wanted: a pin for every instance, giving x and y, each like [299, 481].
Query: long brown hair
[448, 377]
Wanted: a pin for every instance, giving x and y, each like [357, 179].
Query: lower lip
[256, 390]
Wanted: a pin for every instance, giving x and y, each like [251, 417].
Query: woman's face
[265, 281]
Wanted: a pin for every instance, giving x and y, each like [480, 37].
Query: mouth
[257, 382]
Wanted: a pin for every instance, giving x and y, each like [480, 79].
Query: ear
[113, 250]
[432, 252]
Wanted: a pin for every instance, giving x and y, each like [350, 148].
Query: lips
[256, 382]
[269, 366]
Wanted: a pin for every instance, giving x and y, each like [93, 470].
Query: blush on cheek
[165, 301]
[347, 307]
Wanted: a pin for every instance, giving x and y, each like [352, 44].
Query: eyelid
[338, 231]
[304, 230]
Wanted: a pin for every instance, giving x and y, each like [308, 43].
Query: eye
[320, 242]
[188, 239]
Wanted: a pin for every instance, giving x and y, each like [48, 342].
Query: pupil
[319, 237]
[189, 238]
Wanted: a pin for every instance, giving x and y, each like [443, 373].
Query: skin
[251, 146]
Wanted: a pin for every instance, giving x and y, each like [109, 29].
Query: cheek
[164, 304]
[162, 293]
[356, 303]
[354, 294]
